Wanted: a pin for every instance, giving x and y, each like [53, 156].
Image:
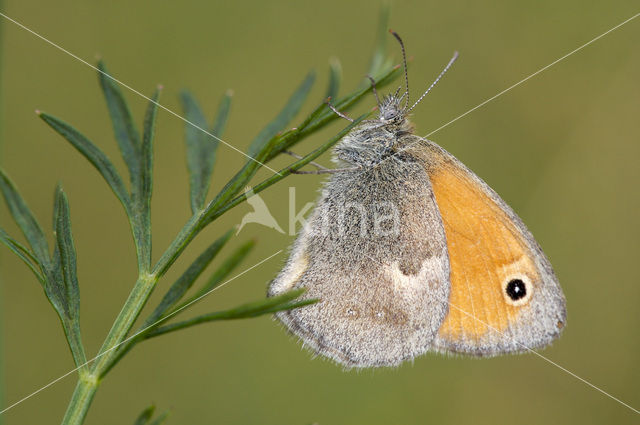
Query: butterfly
[408, 251]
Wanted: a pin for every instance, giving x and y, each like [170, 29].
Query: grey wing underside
[384, 287]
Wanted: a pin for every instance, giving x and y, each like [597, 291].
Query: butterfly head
[391, 110]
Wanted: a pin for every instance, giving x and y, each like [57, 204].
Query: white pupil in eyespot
[516, 289]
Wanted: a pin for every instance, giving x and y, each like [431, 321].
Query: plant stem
[81, 399]
[90, 378]
[123, 323]
[88, 383]
[186, 235]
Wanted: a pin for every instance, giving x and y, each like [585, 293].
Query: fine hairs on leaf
[55, 268]
[201, 148]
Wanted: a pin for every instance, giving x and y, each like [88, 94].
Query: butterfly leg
[373, 89]
[338, 113]
[326, 171]
[315, 164]
[320, 168]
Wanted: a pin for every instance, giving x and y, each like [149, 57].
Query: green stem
[109, 354]
[81, 400]
[88, 382]
[181, 241]
[186, 235]
[123, 323]
[83, 395]
[72, 331]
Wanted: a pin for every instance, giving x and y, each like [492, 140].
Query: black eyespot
[516, 289]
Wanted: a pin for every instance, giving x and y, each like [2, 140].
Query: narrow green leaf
[123, 126]
[54, 277]
[335, 77]
[217, 278]
[91, 152]
[201, 147]
[23, 253]
[147, 148]
[142, 229]
[224, 107]
[24, 219]
[66, 248]
[200, 150]
[284, 117]
[254, 309]
[55, 288]
[54, 282]
[67, 267]
[145, 416]
[184, 282]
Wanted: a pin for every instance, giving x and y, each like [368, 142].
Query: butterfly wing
[504, 295]
[382, 285]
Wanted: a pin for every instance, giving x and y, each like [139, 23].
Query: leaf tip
[102, 69]
[38, 112]
[229, 93]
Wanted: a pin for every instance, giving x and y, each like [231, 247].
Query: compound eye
[517, 290]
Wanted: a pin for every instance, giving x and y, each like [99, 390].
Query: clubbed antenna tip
[404, 65]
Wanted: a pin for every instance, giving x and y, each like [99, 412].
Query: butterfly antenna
[404, 65]
[446, 68]
[375, 92]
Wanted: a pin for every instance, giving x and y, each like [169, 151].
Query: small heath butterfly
[409, 251]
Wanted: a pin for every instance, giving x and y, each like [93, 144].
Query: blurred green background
[562, 150]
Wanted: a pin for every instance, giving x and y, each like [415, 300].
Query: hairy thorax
[373, 142]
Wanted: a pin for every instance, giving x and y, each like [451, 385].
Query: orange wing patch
[485, 252]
